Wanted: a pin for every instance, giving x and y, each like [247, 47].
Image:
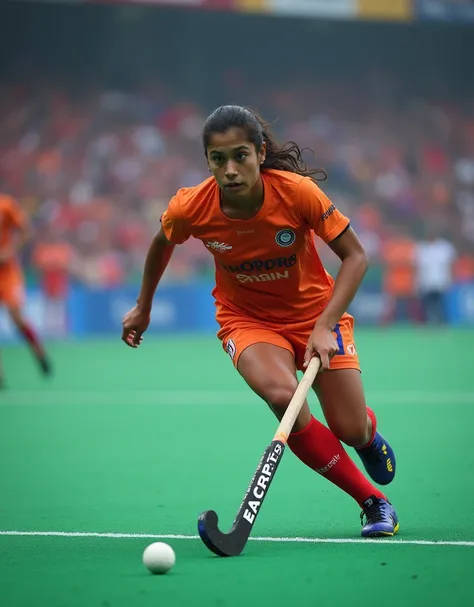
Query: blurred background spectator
[100, 124]
[434, 259]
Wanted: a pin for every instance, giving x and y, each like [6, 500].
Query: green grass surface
[140, 442]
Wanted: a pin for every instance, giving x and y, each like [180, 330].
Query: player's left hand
[321, 343]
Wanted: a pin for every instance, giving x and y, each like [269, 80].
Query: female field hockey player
[14, 232]
[276, 305]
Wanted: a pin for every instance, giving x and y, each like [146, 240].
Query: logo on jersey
[220, 247]
[231, 349]
[285, 238]
[328, 213]
[259, 265]
[351, 349]
[271, 268]
[262, 277]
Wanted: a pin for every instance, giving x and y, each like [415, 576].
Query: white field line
[161, 398]
[177, 536]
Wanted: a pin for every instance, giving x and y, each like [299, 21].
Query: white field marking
[160, 398]
[298, 540]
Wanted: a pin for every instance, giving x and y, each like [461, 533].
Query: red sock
[31, 337]
[373, 419]
[317, 447]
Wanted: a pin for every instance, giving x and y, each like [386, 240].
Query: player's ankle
[371, 430]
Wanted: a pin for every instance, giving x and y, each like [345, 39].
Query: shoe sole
[379, 482]
[384, 533]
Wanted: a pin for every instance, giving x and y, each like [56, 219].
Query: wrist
[324, 323]
[144, 306]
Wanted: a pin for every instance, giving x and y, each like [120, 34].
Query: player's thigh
[340, 390]
[263, 357]
[270, 371]
[266, 361]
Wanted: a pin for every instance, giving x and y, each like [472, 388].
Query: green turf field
[123, 446]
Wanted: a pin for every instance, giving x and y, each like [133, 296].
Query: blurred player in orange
[276, 304]
[14, 232]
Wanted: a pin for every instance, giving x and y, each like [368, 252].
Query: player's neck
[244, 207]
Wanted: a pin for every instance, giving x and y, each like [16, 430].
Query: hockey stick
[232, 543]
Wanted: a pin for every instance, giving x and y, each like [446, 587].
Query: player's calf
[31, 338]
[352, 434]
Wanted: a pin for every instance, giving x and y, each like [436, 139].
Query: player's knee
[278, 397]
[353, 433]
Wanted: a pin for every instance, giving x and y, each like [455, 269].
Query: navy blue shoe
[381, 520]
[379, 460]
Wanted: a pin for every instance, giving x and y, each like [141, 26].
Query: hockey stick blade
[232, 543]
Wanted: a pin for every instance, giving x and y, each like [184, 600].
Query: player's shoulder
[292, 189]
[283, 179]
[289, 184]
[196, 200]
[189, 195]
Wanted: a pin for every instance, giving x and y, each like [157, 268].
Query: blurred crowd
[95, 169]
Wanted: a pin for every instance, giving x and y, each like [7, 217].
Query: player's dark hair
[287, 157]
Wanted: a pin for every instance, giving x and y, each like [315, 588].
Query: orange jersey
[267, 267]
[12, 218]
[53, 260]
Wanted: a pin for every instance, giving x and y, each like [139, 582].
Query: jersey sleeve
[319, 212]
[174, 224]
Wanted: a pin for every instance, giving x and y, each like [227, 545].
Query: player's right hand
[134, 324]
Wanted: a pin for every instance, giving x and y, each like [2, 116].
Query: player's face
[235, 163]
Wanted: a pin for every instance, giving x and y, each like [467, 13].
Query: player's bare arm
[136, 321]
[354, 265]
[20, 236]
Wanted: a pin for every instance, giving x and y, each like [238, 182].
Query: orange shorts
[12, 289]
[240, 332]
